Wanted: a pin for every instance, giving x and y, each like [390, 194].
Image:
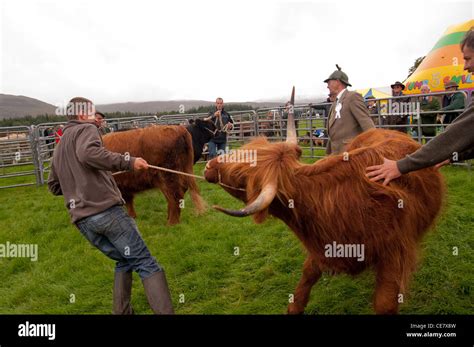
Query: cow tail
[199, 203]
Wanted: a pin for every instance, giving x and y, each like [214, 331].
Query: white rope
[165, 169]
[181, 173]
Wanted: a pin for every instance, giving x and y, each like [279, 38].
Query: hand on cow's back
[140, 164]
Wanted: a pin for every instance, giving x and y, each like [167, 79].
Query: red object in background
[57, 135]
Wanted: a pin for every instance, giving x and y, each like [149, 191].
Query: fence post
[281, 113]
[35, 153]
[420, 138]
[255, 123]
[311, 116]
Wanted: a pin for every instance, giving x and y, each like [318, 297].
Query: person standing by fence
[428, 103]
[101, 123]
[224, 123]
[396, 114]
[58, 133]
[452, 101]
[373, 109]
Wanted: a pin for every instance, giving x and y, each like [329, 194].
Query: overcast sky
[117, 51]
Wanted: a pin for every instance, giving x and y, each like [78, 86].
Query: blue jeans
[116, 235]
[214, 147]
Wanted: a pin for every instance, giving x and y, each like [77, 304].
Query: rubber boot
[122, 293]
[158, 294]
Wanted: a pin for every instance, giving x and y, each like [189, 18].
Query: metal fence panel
[17, 156]
[26, 151]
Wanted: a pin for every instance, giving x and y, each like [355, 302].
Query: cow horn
[290, 127]
[263, 200]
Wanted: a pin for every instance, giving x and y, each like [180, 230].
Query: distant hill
[151, 106]
[168, 106]
[16, 106]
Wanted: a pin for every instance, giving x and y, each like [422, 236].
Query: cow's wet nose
[211, 175]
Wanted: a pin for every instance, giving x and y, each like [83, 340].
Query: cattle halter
[212, 132]
[226, 185]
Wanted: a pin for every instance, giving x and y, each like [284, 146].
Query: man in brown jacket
[81, 172]
[456, 143]
[348, 116]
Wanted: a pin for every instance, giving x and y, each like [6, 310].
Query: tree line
[46, 118]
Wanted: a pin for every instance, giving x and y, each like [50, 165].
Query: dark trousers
[116, 235]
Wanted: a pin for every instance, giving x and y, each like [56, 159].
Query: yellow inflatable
[443, 63]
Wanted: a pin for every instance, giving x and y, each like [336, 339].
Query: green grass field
[202, 268]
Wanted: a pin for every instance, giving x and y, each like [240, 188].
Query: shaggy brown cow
[332, 202]
[165, 146]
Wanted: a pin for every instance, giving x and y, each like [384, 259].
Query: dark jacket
[80, 171]
[221, 136]
[397, 119]
[430, 118]
[457, 138]
[323, 110]
[450, 103]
